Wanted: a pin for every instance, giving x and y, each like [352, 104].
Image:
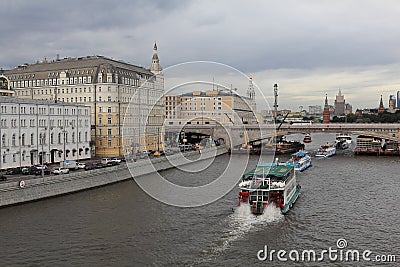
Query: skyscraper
[398, 99]
[339, 104]
[392, 102]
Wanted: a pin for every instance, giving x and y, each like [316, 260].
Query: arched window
[32, 139]
[59, 138]
[23, 139]
[73, 137]
[3, 140]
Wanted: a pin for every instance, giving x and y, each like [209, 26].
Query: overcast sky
[309, 48]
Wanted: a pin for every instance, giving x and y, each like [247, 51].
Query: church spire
[326, 101]
[155, 62]
[381, 107]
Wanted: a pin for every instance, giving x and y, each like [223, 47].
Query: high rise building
[111, 88]
[315, 110]
[392, 102]
[339, 104]
[398, 99]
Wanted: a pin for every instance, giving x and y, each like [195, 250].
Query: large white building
[32, 130]
[110, 87]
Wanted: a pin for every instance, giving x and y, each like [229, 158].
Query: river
[344, 197]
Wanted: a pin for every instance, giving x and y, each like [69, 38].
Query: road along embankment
[21, 191]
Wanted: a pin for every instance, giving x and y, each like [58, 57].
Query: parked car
[99, 165]
[12, 171]
[89, 167]
[46, 171]
[61, 171]
[29, 170]
[3, 177]
[117, 160]
[81, 165]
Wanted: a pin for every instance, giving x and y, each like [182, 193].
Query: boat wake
[238, 225]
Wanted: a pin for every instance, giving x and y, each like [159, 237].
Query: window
[109, 143]
[51, 138]
[3, 140]
[109, 110]
[13, 140]
[23, 139]
[109, 131]
[109, 120]
[109, 99]
[100, 120]
[59, 138]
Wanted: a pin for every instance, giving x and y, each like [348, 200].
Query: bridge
[234, 135]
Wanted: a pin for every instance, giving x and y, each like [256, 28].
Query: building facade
[35, 131]
[208, 107]
[124, 99]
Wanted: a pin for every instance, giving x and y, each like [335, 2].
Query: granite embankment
[50, 186]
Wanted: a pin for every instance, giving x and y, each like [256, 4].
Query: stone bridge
[234, 135]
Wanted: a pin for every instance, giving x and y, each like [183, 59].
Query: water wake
[238, 225]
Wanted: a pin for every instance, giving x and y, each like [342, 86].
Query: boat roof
[299, 154]
[271, 169]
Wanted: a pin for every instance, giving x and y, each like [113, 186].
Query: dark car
[89, 167]
[12, 171]
[45, 172]
[3, 177]
[29, 170]
[99, 165]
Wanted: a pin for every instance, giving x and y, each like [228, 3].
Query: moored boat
[343, 141]
[269, 184]
[307, 138]
[301, 160]
[325, 151]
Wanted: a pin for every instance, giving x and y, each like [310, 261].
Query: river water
[347, 197]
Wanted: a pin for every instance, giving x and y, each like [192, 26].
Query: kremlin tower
[326, 116]
[381, 107]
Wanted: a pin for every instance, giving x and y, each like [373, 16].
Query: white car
[115, 160]
[81, 165]
[61, 171]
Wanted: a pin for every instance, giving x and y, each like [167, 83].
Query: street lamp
[42, 139]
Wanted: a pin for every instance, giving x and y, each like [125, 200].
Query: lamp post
[42, 139]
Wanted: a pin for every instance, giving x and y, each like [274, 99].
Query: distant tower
[381, 107]
[276, 100]
[251, 94]
[339, 104]
[155, 62]
[326, 116]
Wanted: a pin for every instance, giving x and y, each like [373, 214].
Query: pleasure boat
[325, 151]
[301, 160]
[269, 184]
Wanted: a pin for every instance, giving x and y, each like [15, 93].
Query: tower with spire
[155, 62]
[251, 94]
[326, 116]
[381, 107]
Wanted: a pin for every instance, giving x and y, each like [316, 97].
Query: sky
[309, 48]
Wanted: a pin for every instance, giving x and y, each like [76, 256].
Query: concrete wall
[50, 186]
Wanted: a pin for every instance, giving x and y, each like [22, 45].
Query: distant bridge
[234, 135]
